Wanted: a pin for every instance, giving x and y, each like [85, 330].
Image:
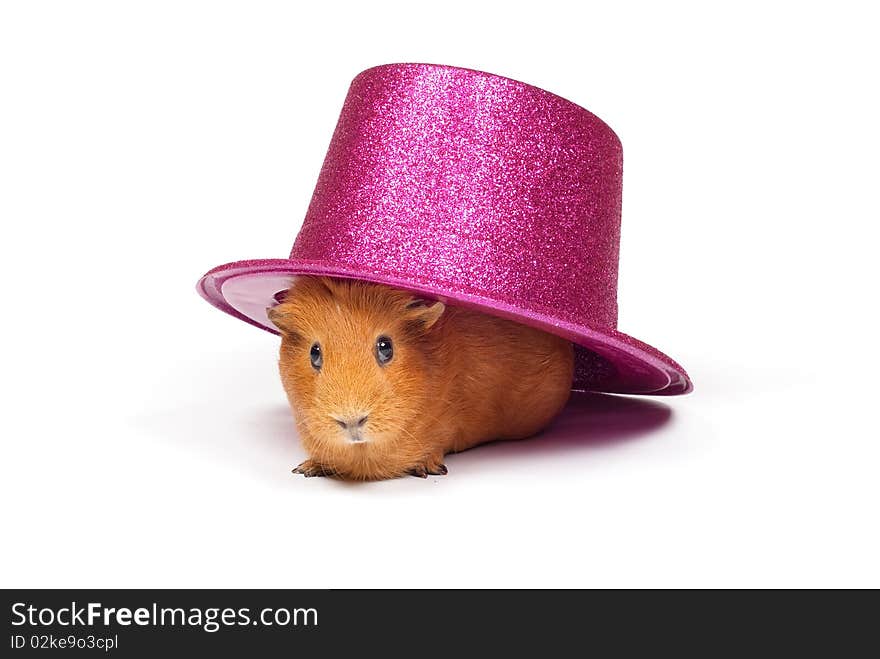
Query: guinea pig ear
[282, 319]
[425, 313]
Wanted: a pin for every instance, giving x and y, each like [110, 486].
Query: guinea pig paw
[310, 468]
[431, 468]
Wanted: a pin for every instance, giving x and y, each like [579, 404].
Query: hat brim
[605, 360]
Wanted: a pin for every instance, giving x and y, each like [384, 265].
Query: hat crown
[479, 183]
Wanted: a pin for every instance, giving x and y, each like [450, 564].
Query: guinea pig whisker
[399, 428]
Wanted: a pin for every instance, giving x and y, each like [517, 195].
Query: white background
[145, 436]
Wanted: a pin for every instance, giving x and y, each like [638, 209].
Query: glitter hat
[477, 190]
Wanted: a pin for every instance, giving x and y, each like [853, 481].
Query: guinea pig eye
[316, 357]
[384, 350]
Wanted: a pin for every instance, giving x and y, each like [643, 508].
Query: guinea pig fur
[383, 384]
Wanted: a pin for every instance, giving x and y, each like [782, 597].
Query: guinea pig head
[355, 362]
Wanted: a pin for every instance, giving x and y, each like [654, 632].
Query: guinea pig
[382, 383]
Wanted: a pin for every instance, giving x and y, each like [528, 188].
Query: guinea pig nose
[351, 422]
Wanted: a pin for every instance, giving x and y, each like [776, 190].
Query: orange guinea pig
[383, 384]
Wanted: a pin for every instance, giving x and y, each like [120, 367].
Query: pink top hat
[477, 190]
